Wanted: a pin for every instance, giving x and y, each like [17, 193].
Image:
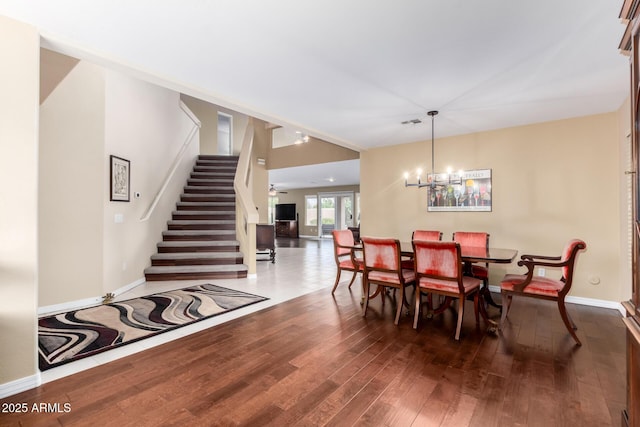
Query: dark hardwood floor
[316, 361]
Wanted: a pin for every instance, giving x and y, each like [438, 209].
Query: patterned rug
[81, 333]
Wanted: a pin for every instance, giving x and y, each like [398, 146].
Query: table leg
[488, 298]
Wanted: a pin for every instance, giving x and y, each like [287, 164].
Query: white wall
[92, 114]
[144, 124]
[19, 76]
[71, 182]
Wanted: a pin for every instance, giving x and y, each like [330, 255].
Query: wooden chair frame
[533, 261]
[369, 267]
[462, 293]
[347, 251]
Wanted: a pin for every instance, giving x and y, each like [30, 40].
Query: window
[311, 210]
[273, 201]
[224, 133]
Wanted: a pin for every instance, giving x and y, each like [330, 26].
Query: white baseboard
[87, 302]
[20, 385]
[583, 301]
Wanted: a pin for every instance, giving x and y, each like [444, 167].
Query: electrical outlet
[541, 272]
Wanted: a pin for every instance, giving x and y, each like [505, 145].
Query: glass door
[327, 215]
[337, 212]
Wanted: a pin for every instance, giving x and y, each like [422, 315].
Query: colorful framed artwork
[469, 191]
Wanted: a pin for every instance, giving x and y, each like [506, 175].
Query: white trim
[87, 302]
[583, 301]
[20, 385]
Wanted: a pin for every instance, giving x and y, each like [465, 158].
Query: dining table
[469, 256]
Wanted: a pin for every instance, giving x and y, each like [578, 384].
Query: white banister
[176, 161]
[246, 213]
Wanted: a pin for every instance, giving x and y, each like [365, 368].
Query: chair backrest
[342, 238]
[471, 238]
[426, 235]
[438, 260]
[570, 254]
[381, 254]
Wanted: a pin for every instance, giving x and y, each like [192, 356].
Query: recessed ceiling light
[411, 122]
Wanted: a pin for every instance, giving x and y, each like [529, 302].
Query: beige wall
[551, 182]
[260, 181]
[624, 187]
[313, 152]
[207, 113]
[72, 129]
[19, 76]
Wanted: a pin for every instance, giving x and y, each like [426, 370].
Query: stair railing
[176, 161]
[246, 213]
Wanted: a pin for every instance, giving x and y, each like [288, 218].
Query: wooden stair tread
[200, 242]
[186, 255]
[207, 204]
[201, 221]
[170, 269]
[199, 232]
[204, 212]
[185, 243]
[212, 189]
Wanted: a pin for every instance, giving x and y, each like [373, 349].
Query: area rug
[70, 336]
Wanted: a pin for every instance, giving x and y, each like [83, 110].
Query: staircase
[200, 241]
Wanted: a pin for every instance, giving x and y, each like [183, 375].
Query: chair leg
[460, 314]
[506, 305]
[567, 321]
[355, 273]
[400, 304]
[335, 285]
[416, 314]
[476, 308]
[365, 303]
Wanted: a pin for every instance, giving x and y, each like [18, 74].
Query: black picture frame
[120, 178]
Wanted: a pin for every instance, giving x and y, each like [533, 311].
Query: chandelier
[434, 181]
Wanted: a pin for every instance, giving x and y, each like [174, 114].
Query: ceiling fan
[273, 191]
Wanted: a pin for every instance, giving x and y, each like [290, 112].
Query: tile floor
[302, 266]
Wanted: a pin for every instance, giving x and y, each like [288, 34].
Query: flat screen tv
[286, 212]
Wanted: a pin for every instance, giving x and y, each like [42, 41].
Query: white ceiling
[350, 71]
[314, 176]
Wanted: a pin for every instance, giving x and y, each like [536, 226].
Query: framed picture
[120, 175]
[468, 192]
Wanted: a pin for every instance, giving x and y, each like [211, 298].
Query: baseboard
[583, 301]
[87, 302]
[20, 385]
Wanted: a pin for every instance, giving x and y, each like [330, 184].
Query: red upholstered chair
[343, 252]
[467, 238]
[383, 267]
[438, 267]
[544, 287]
[407, 262]
[426, 235]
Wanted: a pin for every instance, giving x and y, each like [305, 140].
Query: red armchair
[469, 238]
[383, 267]
[530, 285]
[438, 267]
[343, 244]
[426, 235]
